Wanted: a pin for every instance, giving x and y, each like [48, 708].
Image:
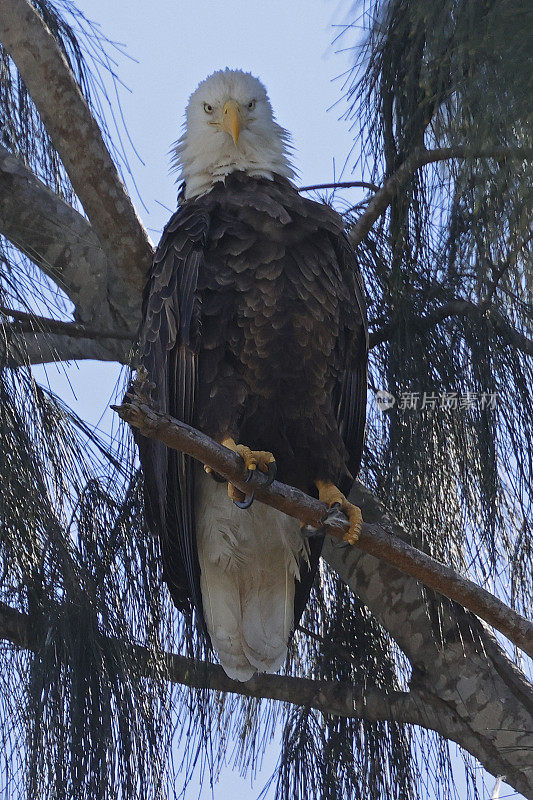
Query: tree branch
[419, 158]
[62, 243]
[26, 322]
[77, 138]
[18, 349]
[374, 539]
[460, 308]
[50, 232]
[514, 337]
[475, 686]
[336, 699]
[417, 707]
[341, 185]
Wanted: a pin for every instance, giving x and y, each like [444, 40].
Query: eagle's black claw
[332, 518]
[245, 503]
[271, 474]
[272, 470]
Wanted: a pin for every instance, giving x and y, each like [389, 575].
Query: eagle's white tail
[249, 561]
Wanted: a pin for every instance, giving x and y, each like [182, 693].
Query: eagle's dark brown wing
[349, 363]
[349, 395]
[169, 342]
[352, 355]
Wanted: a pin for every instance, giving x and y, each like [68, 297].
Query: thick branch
[514, 337]
[456, 660]
[45, 348]
[418, 706]
[337, 699]
[51, 233]
[63, 245]
[419, 158]
[25, 322]
[77, 138]
[373, 540]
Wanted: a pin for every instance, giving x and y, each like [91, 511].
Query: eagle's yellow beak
[231, 119]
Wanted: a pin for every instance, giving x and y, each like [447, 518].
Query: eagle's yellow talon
[253, 459]
[329, 493]
[356, 520]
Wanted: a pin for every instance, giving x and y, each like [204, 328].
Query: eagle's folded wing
[169, 342]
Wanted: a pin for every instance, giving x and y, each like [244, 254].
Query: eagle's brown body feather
[253, 327]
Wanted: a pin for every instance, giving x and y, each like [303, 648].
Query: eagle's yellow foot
[330, 494]
[253, 459]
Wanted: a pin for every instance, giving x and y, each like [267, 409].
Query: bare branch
[337, 699]
[374, 539]
[341, 185]
[44, 348]
[460, 308]
[26, 322]
[419, 158]
[63, 245]
[77, 138]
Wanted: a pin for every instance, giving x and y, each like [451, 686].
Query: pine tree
[383, 673]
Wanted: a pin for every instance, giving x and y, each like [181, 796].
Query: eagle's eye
[208, 109]
[251, 104]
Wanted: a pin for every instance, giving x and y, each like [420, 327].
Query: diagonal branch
[374, 539]
[514, 337]
[62, 243]
[419, 158]
[455, 658]
[50, 232]
[77, 139]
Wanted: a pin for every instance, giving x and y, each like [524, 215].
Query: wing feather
[169, 341]
[331, 263]
[352, 353]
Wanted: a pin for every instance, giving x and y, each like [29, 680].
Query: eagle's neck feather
[202, 163]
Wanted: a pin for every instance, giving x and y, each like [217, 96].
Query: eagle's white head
[230, 126]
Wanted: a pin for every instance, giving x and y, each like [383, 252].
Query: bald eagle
[254, 331]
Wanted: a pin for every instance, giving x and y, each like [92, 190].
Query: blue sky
[171, 46]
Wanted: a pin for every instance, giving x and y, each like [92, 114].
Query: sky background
[170, 47]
